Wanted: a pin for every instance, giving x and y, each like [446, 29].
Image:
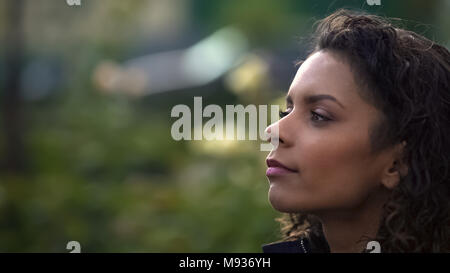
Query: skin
[337, 177]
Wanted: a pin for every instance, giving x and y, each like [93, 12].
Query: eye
[284, 113]
[318, 117]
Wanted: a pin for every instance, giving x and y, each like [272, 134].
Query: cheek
[336, 172]
[332, 155]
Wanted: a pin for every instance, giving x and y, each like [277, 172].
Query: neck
[349, 231]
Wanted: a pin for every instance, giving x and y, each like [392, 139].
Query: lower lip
[274, 171]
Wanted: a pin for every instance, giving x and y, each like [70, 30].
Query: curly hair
[405, 76]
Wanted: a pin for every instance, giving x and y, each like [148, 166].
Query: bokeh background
[86, 94]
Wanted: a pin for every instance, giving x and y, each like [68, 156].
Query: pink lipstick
[275, 168]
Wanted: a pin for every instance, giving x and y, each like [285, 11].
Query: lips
[277, 169]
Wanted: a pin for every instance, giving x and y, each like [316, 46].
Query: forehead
[325, 72]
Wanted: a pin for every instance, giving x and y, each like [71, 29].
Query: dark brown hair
[406, 76]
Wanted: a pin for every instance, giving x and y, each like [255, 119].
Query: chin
[286, 203]
[281, 204]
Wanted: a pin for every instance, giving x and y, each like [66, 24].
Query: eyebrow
[315, 98]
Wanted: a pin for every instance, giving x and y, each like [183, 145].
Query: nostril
[280, 140]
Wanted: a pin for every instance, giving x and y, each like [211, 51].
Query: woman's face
[324, 139]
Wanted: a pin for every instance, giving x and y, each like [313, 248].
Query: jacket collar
[305, 244]
[288, 247]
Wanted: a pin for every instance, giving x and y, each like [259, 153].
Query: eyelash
[283, 114]
[313, 114]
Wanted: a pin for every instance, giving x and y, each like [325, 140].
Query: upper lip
[273, 163]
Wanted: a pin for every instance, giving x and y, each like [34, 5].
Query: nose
[273, 131]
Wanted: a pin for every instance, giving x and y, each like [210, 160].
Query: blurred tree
[14, 159]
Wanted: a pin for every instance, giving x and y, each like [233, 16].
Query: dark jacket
[302, 245]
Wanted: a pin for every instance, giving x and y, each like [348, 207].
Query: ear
[396, 168]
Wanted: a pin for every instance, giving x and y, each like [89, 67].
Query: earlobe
[396, 170]
[391, 176]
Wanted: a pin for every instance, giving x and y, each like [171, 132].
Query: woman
[364, 144]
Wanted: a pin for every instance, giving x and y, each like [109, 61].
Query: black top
[310, 245]
[287, 247]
